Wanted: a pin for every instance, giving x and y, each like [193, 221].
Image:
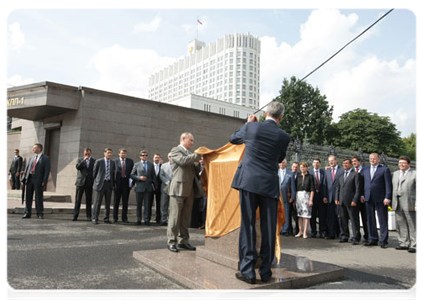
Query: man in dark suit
[295, 167]
[104, 171]
[319, 208]
[378, 196]
[257, 181]
[288, 190]
[16, 167]
[156, 195]
[35, 179]
[84, 183]
[356, 161]
[123, 186]
[144, 177]
[348, 197]
[332, 175]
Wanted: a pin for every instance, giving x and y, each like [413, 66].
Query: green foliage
[307, 113]
[410, 146]
[360, 129]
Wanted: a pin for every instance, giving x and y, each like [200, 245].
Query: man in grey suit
[104, 170]
[84, 183]
[165, 177]
[288, 190]
[404, 204]
[15, 170]
[348, 197]
[182, 190]
[144, 177]
[36, 176]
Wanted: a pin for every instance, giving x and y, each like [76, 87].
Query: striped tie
[107, 169]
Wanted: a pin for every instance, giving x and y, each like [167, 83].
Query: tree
[410, 146]
[307, 113]
[360, 129]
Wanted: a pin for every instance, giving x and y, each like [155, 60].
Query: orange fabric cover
[223, 212]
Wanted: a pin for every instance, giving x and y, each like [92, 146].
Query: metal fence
[306, 152]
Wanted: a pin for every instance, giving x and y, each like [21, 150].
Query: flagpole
[197, 28]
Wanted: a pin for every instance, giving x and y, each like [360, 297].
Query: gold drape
[223, 211]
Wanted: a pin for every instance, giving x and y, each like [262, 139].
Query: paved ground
[56, 253]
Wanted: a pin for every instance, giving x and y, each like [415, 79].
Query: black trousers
[105, 191]
[247, 235]
[319, 209]
[143, 197]
[155, 195]
[121, 192]
[16, 182]
[348, 212]
[38, 190]
[80, 190]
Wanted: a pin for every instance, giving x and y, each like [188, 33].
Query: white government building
[222, 77]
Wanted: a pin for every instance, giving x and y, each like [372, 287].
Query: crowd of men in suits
[343, 194]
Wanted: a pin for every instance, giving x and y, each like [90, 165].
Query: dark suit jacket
[129, 165]
[322, 181]
[158, 183]
[265, 147]
[288, 183]
[378, 188]
[331, 185]
[137, 171]
[42, 170]
[85, 175]
[349, 190]
[100, 173]
[16, 165]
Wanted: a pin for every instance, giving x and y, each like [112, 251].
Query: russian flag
[199, 22]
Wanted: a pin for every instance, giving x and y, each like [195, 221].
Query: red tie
[123, 169]
[317, 179]
[357, 170]
[33, 165]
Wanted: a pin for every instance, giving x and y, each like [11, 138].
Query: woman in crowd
[304, 202]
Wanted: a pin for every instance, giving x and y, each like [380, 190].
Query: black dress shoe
[411, 250]
[401, 248]
[186, 246]
[372, 243]
[343, 240]
[173, 248]
[265, 279]
[354, 242]
[107, 222]
[313, 235]
[383, 245]
[249, 280]
[330, 237]
[163, 224]
[126, 221]
[147, 223]
[26, 217]
[75, 219]
[41, 217]
[95, 222]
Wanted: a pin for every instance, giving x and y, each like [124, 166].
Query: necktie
[107, 169]
[145, 166]
[333, 174]
[34, 164]
[357, 170]
[316, 172]
[345, 175]
[372, 172]
[88, 162]
[157, 169]
[123, 169]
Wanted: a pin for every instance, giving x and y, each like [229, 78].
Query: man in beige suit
[183, 187]
[404, 204]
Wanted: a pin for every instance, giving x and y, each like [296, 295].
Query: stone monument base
[195, 272]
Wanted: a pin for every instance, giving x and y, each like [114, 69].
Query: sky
[118, 49]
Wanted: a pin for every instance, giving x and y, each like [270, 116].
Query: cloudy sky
[117, 50]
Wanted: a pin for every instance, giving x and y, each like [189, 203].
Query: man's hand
[325, 200]
[143, 178]
[386, 202]
[252, 118]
